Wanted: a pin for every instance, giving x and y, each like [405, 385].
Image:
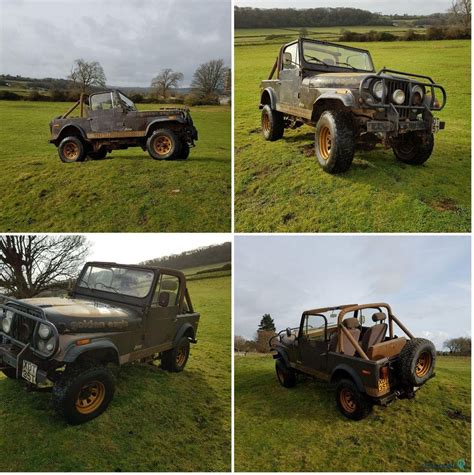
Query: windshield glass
[118, 280]
[128, 102]
[335, 55]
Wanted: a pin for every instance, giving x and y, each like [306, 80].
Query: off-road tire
[9, 373]
[72, 149]
[99, 155]
[413, 148]
[352, 403]
[334, 141]
[184, 153]
[273, 124]
[417, 361]
[67, 392]
[163, 145]
[286, 376]
[175, 360]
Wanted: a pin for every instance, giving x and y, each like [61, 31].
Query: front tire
[352, 403]
[83, 394]
[175, 360]
[413, 148]
[71, 149]
[335, 141]
[286, 376]
[163, 145]
[273, 124]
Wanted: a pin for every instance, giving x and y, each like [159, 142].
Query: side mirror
[288, 332]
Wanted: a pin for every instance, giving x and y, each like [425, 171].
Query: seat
[375, 334]
[353, 326]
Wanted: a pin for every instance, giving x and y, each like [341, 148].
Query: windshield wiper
[107, 287]
[316, 59]
[347, 64]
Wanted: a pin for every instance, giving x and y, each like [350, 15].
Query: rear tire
[335, 141]
[99, 155]
[163, 145]
[273, 124]
[286, 376]
[9, 373]
[417, 361]
[71, 149]
[352, 403]
[175, 360]
[184, 153]
[413, 149]
[82, 394]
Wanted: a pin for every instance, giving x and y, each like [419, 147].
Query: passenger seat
[353, 325]
[375, 334]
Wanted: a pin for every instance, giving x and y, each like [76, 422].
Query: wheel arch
[331, 101]
[187, 330]
[70, 130]
[103, 351]
[160, 124]
[268, 97]
[343, 371]
[281, 354]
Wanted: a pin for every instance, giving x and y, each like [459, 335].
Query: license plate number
[436, 125]
[28, 371]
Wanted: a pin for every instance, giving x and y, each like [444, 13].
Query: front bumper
[401, 127]
[12, 357]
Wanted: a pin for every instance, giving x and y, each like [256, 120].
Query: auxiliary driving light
[398, 96]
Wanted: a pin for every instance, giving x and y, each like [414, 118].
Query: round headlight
[378, 89]
[398, 96]
[417, 94]
[44, 331]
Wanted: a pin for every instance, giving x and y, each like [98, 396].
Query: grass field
[279, 186]
[300, 429]
[158, 421]
[130, 192]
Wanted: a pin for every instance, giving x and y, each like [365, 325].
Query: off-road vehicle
[109, 120]
[367, 365]
[335, 88]
[115, 314]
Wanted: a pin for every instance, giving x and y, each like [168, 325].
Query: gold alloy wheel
[162, 145]
[90, 397]
[346, 398]
[181, 356]
[325, 142]
[266, 122]
[423, 364]
[71, 151]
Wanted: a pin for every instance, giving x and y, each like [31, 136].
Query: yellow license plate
[384, 385]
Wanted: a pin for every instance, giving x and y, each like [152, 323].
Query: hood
[81, 315]
[336, 80]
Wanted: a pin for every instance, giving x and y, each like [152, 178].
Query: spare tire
[417, 361]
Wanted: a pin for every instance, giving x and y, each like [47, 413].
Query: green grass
[300, 429]
[280, 187]
[158, 421]
[129, 192]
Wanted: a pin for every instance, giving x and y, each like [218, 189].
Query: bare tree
[240, 343]
[263, 337]
[166, 80]
[85, 75]
[209, 77]
[30, 264]
[461, 11]
[460, 345]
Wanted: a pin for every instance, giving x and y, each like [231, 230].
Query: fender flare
[281, 353]
[178, 120]
[273, 100]
[181, 333]
[74, 351]
[351, 373]
[346, 98]
[77, 127]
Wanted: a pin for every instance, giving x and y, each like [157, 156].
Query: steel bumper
[9, 358]
[403, 126]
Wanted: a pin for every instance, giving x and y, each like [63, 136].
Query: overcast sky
[417, 7]
[135, 248]
[425, 279]
[132, 39]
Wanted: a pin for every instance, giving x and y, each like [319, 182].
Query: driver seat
[353, 325]
[375, 334]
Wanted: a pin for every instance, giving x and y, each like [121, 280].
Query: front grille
[23, 327]
[392, 86]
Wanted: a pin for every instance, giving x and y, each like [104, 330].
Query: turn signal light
[85, 341]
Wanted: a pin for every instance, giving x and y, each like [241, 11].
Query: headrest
[379, 317]
[351, 323]
[169, 284]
